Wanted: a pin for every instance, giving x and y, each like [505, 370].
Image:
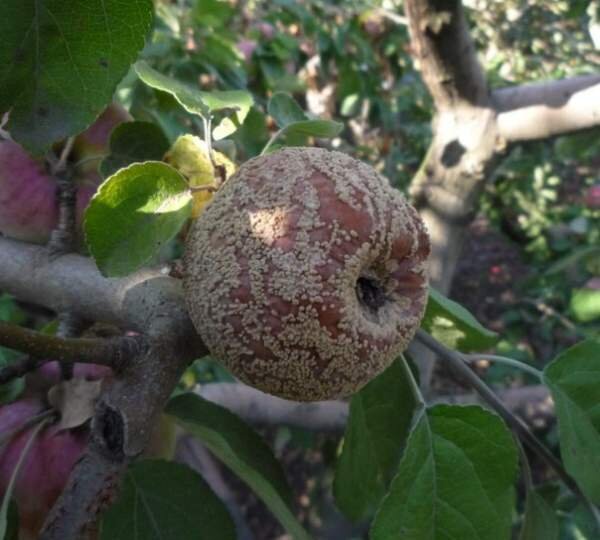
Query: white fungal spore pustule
[306, 274]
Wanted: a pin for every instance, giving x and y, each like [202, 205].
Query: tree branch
[73, 283]
[442, 46]
[541, 110]
[110, 352]
[256, 407]
[149, 302]
[93, 486]
[259, 408]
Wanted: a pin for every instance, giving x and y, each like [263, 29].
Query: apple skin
[53, 454]
[28, 209]
[95, 140]
[45, 468]
[592, 197]
[306, 275]
[246, 48]
[28, 206]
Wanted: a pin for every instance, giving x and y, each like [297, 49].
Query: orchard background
[115, 422]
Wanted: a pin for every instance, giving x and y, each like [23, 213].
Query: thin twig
[394, 17]
[63, 237]
[414, 385]
[544, 308]
[69, 326]
[18, 368]
[505, 360]
[527, 475]
[97, 157]
[61, 164]
[4, 135]
[456, 360]
[111, 352]
[63, 240]
[210, 189]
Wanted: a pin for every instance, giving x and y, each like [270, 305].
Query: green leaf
[162, 499]
[9, 529]
[540, 522]
[585, 304]
[234, 103]
[133, 142]
[574, 381]
[579, 523]
[10, 390]
[575, 256]
[133, 214]
[295, 134]
[242, 450]
[284, 109]
[60, 62]
[12, 528]
[212, 13]
[454, 326]
[378, 426]
[324, 129]
[350, 104]
[253, 134]
[455, 479]
[10, 312]
[294, 123]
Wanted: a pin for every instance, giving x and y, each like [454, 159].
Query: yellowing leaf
[189, 155]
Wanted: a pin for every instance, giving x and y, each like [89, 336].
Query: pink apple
[28, 206]
[592, 197]
[44, 470]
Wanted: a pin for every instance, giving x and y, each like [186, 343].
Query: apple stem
[63, 237]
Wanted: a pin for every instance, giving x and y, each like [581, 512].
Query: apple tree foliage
[404, 469]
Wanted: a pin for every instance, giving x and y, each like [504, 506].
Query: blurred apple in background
[28, 206]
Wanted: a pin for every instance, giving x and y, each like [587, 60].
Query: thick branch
[258, 408]
[537, 111]
[73, 283]
[121, 428]
[446, 56]
[148, 301]
[93, 486]
[107, 352]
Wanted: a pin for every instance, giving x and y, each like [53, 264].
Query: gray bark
[149, 302]
[472, 129]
